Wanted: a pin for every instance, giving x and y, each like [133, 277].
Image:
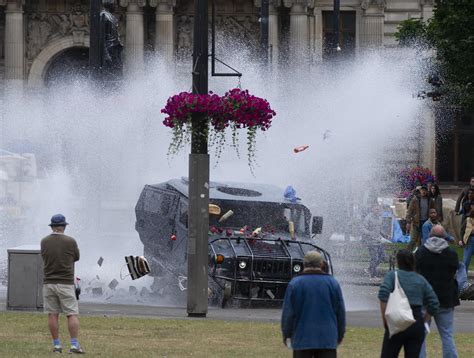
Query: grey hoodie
[436, 244]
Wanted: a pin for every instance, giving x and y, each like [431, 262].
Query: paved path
[356, 317]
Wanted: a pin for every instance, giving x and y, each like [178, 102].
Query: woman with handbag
[402, 294]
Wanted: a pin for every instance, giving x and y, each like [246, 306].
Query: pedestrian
[467, 238]
[438, 263]
[466, 205]
[429, 186]
[313, 320]
[371, 237]
[59, 253]
[419, 293]
[412, 195]
[438, 200]
[417, 214]
[463, 195]
[428, 225]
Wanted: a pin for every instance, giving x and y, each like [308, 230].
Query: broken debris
[114, 283]
[97, 291]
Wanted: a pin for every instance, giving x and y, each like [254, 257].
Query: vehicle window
[268, 216]
[158, 202]
[183, 213]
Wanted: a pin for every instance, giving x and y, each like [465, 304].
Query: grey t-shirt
[424, 209]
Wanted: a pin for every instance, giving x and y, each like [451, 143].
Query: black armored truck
[258, 235]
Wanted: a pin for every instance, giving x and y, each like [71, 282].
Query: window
[347, 33]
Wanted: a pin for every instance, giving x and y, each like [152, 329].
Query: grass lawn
[26, 335]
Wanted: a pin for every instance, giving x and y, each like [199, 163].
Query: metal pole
[198, 219]
[335, 20]
[264, 23]
[94, 49]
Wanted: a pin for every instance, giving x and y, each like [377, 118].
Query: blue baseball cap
[58, 220]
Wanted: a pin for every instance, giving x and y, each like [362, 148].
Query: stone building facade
[36, 35]
[41, 39]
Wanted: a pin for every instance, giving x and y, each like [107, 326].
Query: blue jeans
[468, 252]
[445, 322]
[461, 276]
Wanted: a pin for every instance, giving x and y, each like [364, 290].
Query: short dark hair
[406, 260]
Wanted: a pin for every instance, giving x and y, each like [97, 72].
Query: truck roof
[235, 191]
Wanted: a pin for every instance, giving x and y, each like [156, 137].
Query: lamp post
[198, 218]
[335, 22]
[264, 23]
[95, 53]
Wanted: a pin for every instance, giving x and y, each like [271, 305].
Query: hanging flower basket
[410, 178]
[237, 109]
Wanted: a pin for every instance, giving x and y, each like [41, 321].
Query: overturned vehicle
[257, 238]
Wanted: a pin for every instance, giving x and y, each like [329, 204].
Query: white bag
[398, 313]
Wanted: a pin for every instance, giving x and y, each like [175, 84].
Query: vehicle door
[159, 215]
[179, 246]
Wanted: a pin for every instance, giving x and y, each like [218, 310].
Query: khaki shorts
[60, 298]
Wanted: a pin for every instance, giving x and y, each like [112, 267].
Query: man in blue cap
[59, 253]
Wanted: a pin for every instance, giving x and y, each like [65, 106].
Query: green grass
[26, 335]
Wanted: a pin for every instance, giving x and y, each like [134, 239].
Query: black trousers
[315, 353]
[410, 339]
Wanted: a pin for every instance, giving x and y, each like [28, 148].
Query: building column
[427, 9]
[134, 38]
[299, 29]
[318, 34]
[14, 42]
[372, 26]
[165, 29]
[428, 150]
[273, 34]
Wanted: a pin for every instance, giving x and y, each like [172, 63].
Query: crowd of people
[429, 272]
[425, 209]
[313, 317]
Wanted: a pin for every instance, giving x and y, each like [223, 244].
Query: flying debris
[138, 265]
[326, 134]
[300, 148]
[114, 283]
[100, 261]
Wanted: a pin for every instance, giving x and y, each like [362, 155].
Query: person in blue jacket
[313, 320]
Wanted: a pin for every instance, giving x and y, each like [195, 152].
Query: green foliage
[411, 32]
[451, 33]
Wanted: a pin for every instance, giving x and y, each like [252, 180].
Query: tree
[411, 32]
[451, 33]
